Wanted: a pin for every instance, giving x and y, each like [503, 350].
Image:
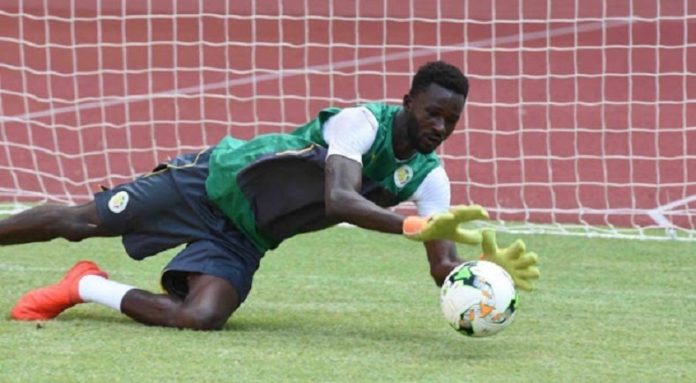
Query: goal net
[581, 117]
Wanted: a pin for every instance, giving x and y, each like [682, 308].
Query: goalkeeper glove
[519, 263]
[446, 225]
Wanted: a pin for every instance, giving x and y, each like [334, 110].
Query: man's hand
[446, 225]
[519, 263]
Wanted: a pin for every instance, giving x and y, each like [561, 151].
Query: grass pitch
[347, 305]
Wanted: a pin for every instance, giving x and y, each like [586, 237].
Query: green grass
[347, 305]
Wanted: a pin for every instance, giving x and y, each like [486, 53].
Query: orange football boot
[47, 302]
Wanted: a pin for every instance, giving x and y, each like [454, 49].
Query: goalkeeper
[231, 203]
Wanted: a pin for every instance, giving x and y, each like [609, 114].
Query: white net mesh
[581, 116]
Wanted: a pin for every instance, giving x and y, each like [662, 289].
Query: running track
[589, 118]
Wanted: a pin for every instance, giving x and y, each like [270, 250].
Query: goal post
[581, 117]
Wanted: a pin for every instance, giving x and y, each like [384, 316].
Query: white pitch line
[283, 73]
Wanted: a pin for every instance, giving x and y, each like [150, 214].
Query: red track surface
[599, 119]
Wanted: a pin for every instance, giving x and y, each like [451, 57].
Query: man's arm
[349, 135]
[344, 201]
[442, 257]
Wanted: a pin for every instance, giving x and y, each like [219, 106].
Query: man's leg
[207, 306]
[46, 222]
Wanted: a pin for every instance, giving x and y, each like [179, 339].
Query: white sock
[93, 288]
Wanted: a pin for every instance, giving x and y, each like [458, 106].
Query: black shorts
[170, 207]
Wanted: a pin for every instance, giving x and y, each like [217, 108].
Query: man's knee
[209, 304]
[203, 318]
[60, 221]
[76, 223]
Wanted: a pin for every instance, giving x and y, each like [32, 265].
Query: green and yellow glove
[516, 260]
[446, 225]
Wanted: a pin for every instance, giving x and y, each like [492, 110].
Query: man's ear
[407, 101]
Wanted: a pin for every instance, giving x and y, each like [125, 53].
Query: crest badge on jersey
[118, 202]
[402, 175]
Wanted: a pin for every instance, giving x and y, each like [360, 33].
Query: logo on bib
[402, 175]
[118, 202]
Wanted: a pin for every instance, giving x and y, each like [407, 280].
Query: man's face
[432, 116]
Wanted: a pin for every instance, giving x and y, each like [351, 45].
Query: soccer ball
[478, 298]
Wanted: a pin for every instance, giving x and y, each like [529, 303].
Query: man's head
[433, 104]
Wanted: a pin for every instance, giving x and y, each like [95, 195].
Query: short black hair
[441, 73]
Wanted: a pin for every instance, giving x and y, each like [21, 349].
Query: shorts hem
[171, 287]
